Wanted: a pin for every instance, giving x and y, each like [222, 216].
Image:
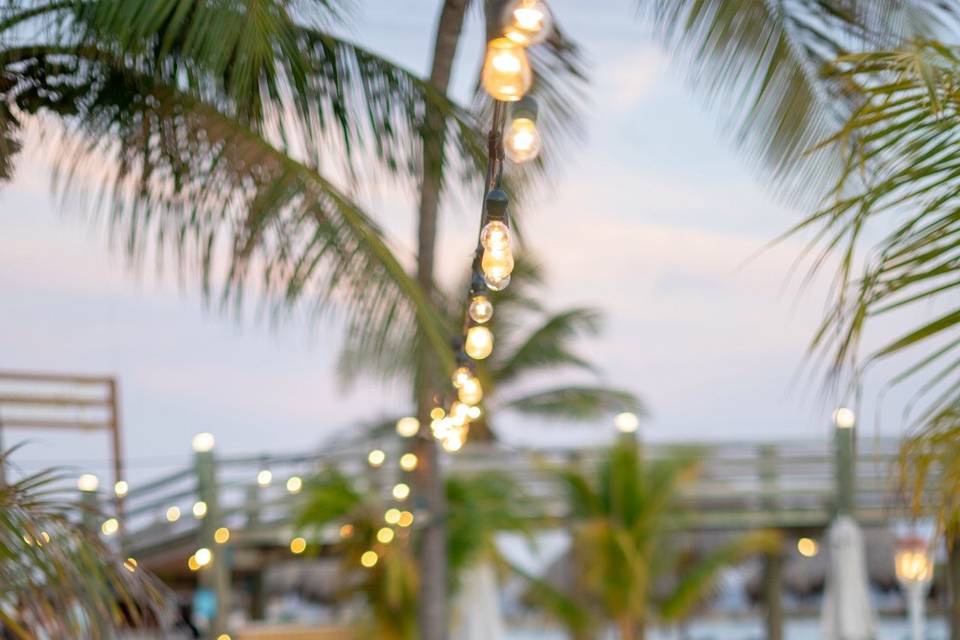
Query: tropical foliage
[58, 580]
[628, 568]
[479, 507]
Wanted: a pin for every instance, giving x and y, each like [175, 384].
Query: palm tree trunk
[429, 482]
[629, 629]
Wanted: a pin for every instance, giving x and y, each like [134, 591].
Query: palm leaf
[547, 346]
[574, 402]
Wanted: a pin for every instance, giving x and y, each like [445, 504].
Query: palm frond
[547, 346]
[769, 69]
[574, 402]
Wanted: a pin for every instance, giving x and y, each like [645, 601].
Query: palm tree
[59, 580]
[479, 507]
[627, 568]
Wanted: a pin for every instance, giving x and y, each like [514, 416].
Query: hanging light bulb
[495, 236]
[527, 22]
[496, 283]
[506, 71]
[408, 427]
[481, 309]
[497, 264]
[479, 342]
[522, 140]
[470, 394]
[461, 375]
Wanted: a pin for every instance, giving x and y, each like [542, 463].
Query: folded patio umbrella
[847, 614]
[478, 605]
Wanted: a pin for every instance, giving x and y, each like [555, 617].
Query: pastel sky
[652, 219]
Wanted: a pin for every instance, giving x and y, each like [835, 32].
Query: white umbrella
[477, 607]
[847, 614]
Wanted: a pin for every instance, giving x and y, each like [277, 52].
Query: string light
[192, 563]
[506, 74]
[173, 514]
[408, 427]
[203, 556]
[88, 483]
[527, 22]
[385, 535]
[376, 458]
[369, 559]
[470, 393]
[437, 413]
[203, 442]
[130, 564]
[401, 491]
[479, 342]
[264, 477]
[392, 516]
[409, 461]
[110, 526]
[298, 545]
[405, 520]
[481, 309]
[294, 484]
[626, 422]
[521, 143]
[346, 531]
[221, 535]
[199, 509]
[121, 488]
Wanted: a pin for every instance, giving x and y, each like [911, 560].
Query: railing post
[772, 560]
[89, 502]
[844, 464]
[216, 576]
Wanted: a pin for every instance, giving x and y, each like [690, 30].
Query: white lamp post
[914, 566]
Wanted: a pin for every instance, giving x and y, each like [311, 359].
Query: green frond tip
[576, 402]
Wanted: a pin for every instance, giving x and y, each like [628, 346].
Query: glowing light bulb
[199, 509]
[110, 527]
[522, 141]
[497, 264]
[527, 22]
[401, 491]
[808, 547]
[474, 413]
[298, 545]
[88, 482]
[480, 310]
[844, 418]
[408, 427]
[376, 458]
[173, 514]
[405, 520]
[470, 393]
[294, 484]
[385, 535]
[409, 461]
[203, 442]
[346, 531]
[460, 410]
[392, 516]
[626, 422]
[496, 283]
[369, 559]
[192, 563]
[203, 556]
[479, 342]
[452, 443]
[121, 488]
[437, 413]
[221, 535]
[460, 376]
[130, 564]
[264, 478]
[506, 74]
[495, 236]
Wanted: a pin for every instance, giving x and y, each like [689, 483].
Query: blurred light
[470, 393]
[452, 443]
[481, 309]
[460, 376]
[408, 427]
[298, 545]
[408, 461]
[203, 442]
[392, 516]
[88, 482]
[221, 535]
[346, 531]
[376, 458]
[401, 491]
[913, 562]
[121, 488]
[527, 22]
[223, 636]
[844, 418]
[385, 535]
[474, 413]
[192, 563]
[405, 519]
[522, 141]
[45, 536]
[506, 73]
[203, 556]
[496, 283]
[110, 526]
[479, 343]
[264, 477]
[294, 484]
[808, 547]
[497, 264]
[495, 236]
[437, 413]
[173, 514]
[199, 509]
[130, 565]
[369, 559]
[626, 422]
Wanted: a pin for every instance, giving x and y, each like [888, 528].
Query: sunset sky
[652, 220]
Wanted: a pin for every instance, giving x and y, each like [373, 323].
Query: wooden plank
[43, 423]
[53, 401]
[35, 376]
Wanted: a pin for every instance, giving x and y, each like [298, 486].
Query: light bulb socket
[478, 286]
[526, 107]
[496, 205]
[462, 359]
